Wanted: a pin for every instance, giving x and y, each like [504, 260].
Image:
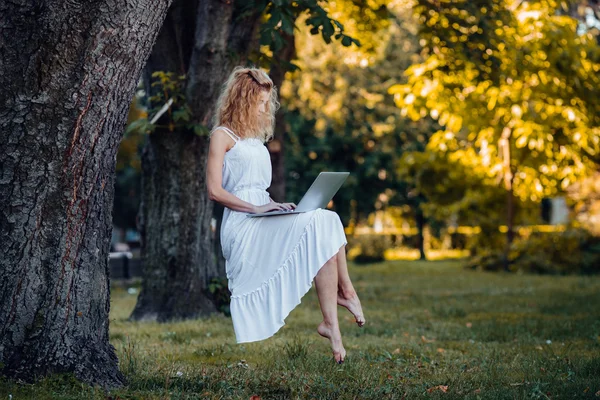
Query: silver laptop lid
[322, 190]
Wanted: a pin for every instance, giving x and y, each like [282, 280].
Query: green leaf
[277, 41]
[339, 24]
[315, 21]
[266, 38]
[181, 115]
[291, 66]
[139, 126]
[328, 29]
[201, 130]
[270, 24]
[275, 17]
[287, 24]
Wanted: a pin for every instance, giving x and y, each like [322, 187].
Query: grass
[434, 330]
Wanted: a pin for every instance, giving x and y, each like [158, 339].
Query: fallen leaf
[427, 340]
[396, 351]
[440, 350]
[477, 391]
[442, 388]
[469, 325]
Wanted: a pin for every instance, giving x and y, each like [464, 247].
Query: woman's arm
[219, 144]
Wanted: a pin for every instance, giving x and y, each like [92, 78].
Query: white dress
[270, 261]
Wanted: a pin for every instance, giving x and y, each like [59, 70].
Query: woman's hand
[273, 206]
[288, 206]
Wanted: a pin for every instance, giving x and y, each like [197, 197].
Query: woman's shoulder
[226, 131]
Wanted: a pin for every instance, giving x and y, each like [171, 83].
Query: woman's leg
[326, 284]
[344, 283]
[347, 296]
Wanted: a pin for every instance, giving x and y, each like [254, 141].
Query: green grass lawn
[433, 330]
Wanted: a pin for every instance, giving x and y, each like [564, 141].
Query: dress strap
[229, 132]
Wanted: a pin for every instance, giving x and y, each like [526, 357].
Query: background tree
[68, 74]
[342, 117]
[332, 107]
[506, 95]
[128, 174]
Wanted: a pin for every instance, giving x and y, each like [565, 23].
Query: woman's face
[263, 99]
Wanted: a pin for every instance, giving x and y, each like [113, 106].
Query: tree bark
[220, 266]
[68, 73]
[420, 221]
[176, 231]
[276, 146]
[510, 234]
[508, 178]
[178, 248]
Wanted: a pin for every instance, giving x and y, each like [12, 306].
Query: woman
[270, 261]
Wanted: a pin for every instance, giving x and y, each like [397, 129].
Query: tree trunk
[277, 74]
[510, 234]
[176, 231]
[508, 178]
[420, 221]
[68, 74]
[218, 250]
[178, 247]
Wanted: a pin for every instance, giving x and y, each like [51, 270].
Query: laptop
[318, 195]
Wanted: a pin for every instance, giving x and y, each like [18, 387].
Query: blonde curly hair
[236, 106]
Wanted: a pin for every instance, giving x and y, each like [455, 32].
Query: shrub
[489, 239]
[218, 288]
[572, 251]
[372, 247]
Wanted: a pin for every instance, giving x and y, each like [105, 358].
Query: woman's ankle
[330, 324]
[347, 293]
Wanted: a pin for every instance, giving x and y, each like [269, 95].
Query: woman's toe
[360, 321]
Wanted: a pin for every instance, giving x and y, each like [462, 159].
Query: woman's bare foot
[335, 337]
[352, 303]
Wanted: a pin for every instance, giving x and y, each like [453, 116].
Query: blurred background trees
[514, 88]
[466, 127]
